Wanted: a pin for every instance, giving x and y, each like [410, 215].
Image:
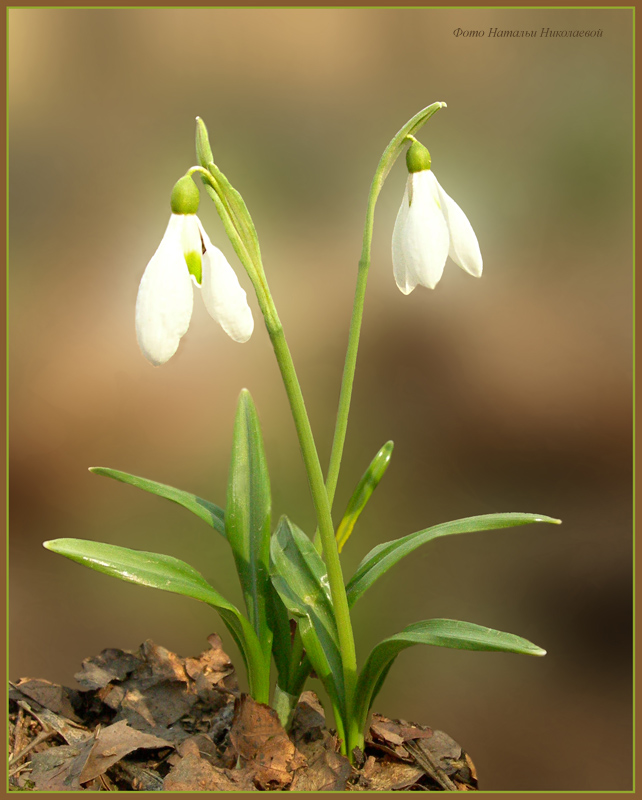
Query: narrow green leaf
[247, 519]
[440, 633]
[383, 556]
[171, 575]
[366, 486]
[301, 579]
[210, 513]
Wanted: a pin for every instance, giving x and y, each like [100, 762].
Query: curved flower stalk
[184, 257]
[430, 227]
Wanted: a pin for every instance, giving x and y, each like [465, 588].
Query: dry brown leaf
[109, 665]
[194, 774]
[262, 743]
[58, 699]
[201, 746]
[308, 721]
[387, 775]
[397, 731]
[326, 769]
[58, 769]
[113, 743]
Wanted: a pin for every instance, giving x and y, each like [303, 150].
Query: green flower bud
[185, 196]
[203, 149]
[417, 158]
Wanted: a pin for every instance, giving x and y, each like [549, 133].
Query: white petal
[464, 247]
[420, 237]
[224, 298]
[165, 298]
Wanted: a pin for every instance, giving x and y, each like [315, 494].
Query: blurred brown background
[511, 393]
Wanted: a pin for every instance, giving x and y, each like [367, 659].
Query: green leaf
[440, 633]
[363, 492]
[208, 512]
[171, 575]
[301, 579]
[383, 556]
[247, 521]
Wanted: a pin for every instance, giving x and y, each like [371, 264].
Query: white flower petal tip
[464, 247]
[165, 296]
[430, 227]
[223, 295]
[420, 238]
[225, 300]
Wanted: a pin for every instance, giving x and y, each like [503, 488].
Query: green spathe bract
[284, 575]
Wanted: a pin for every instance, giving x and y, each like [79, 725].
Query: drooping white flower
[165, 299]
[430, 227]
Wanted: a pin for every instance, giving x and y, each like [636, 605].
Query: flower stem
[351, 357]
[321, 505]
[390, 155]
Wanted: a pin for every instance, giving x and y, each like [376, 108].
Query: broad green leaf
[207, 511]
[440, 633]
[383, 556]
[171, 575]
[366, 486]
[247, 520]
[301, 579]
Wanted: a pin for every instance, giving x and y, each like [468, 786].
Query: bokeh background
[511, 393]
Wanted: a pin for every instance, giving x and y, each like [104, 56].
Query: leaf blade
[204, 509]
[384, 556]
[247, 519]
[439, 633]
[300, 577]
[168, 574]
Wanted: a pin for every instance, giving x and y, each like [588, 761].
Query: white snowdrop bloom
[187, 257]
[430, 227]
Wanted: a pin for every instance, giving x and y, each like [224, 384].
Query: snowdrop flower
[165, 296]
[430, 227]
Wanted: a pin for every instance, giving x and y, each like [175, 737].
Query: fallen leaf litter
[153, 721]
